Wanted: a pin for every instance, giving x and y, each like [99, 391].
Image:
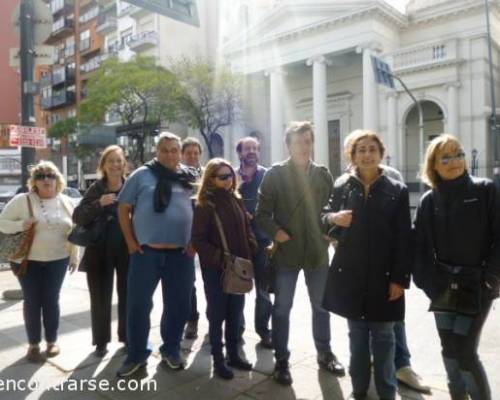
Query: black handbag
[92, 234]
[458, 289]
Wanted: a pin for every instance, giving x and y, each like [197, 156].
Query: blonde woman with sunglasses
[457, 260]
[50, 254]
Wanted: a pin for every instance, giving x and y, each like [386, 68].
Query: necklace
[52, 224]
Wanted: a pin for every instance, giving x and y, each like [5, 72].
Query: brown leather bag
[238, 272]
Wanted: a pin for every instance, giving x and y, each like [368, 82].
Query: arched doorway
[433, 126]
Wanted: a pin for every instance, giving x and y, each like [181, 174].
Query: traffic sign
[42, 18]
[27, 136]
[382, 72]
[180, 10]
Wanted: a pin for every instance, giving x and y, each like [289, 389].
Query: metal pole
[27, 56]
[420, 126]
[493, 119]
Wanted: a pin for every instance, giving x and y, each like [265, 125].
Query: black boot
[282, 374]
[237, 362]
[221, 369]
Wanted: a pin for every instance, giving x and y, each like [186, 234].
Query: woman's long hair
[207, 185]
[104, 155]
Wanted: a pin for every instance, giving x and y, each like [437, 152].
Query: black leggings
[459, 341]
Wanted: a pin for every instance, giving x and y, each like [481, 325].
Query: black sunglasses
[224, 177]
[41, 177]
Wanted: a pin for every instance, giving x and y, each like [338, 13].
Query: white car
[73, 194]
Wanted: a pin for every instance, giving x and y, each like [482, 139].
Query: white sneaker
[411, 379]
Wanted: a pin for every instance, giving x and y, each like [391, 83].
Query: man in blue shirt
[155, 214]
[251, 174]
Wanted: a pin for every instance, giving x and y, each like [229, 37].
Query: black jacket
[459, 221]
[372, 252]
[85, 213]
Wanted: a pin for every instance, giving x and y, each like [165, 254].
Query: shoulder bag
[17, 245]
[238, 271]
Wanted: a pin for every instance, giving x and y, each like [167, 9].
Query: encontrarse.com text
[78, 385]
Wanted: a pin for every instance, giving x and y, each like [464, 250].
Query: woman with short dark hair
[457, 260]
[369, 217]
[102, 259]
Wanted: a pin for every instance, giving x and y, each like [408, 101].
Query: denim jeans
[459, 342]
[263, 304]
[194, 315]
[175, 270]
[41, 286]
[402, 354]
[222, 308]
[286, 281]
[379, 337]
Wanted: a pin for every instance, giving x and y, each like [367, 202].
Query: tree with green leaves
[140, 91]
[212, 95]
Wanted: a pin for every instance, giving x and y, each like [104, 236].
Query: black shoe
[100, 350]
[222, 370]
[328, 361]
[191, 331]
[266, 342]
[282, 374]
[239, 363]
[33, 355]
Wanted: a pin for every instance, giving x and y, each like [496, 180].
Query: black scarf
[163, 191]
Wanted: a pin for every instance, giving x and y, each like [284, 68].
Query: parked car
[5, 197]
[73, 194]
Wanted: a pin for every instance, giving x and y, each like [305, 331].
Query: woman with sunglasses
[102, 259]
[457, 260]
[218, 194]
[50, 253]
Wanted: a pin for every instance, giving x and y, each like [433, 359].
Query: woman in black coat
[457, 260]
[100, 261]
[369, 217]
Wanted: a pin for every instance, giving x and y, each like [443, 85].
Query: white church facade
[311, 60]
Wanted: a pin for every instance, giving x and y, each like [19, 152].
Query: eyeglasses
[41, 177]
[224, 177]
[445, 160]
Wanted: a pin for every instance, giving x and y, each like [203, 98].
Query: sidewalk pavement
[76, 373]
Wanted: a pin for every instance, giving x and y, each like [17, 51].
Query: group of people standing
[284, 219]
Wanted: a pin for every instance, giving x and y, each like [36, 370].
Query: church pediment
[295, 16]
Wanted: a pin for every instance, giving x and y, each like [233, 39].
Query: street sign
[27, 136]
[382, 71]
[42, 18]
[43, 56]
[180, 10]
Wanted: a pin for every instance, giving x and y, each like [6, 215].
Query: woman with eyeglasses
[457, 260]
[218, 195]
[42, 276]
[110, 254]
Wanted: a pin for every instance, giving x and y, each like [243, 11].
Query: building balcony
[46, 80]
[126, 9]
[106, 24]
[62, 75]
[139, 12]
[427, 56]
[60, 28]
[143, 41]
[60, 7]
[58, 99]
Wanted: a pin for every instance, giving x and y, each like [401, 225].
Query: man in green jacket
[291, 197]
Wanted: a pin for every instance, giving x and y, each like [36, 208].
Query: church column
[321, 151]
[370, 89]
[276, 83]
[392, 129]
[453, 125]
